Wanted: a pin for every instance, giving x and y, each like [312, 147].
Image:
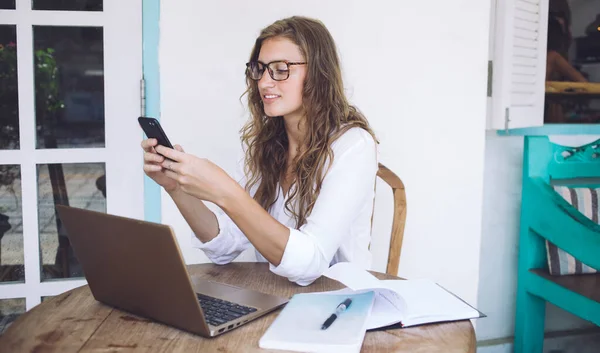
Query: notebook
[298, 325]
[402, 302]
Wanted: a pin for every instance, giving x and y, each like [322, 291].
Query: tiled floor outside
[80, 180]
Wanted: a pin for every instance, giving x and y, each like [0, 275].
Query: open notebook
[404, 302]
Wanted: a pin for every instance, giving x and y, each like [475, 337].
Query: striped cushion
[585, 200]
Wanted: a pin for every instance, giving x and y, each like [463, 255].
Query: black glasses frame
[267, 66]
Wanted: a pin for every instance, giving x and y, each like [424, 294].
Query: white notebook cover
[298, 325]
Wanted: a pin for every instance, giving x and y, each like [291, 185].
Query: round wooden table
[75, 322]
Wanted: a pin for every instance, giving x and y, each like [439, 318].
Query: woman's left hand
[198, 177]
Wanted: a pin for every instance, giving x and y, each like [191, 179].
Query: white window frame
[508, 109]
[122, 154]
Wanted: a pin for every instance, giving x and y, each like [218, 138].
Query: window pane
[7, 4]
[78, 185]
[11, 225]
[9, 103]
[68, 5]
[10, 309]
[573, 63]
[69, 86]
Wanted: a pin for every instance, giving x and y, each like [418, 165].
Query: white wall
[427, 106]
[499, 242]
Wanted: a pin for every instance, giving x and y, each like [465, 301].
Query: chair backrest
[558, 164]
[399, 219]
[559, 228]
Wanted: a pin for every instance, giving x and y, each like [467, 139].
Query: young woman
[304, 195]
[558, 67]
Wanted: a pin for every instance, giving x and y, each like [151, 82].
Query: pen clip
[345, 304]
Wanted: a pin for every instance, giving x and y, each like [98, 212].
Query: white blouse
[337, 230]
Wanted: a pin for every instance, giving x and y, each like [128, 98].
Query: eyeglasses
[278, 70]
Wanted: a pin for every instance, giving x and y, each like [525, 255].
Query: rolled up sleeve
[227, 245]
[346, 188]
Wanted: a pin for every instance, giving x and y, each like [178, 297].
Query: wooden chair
[60, 196]
[61, 267]
[547, 220]
[399, 219]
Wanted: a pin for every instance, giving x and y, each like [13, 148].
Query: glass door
[70, 74]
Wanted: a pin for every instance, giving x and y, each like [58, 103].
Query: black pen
[340, 308]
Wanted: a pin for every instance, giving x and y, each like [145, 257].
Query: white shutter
[519, 63]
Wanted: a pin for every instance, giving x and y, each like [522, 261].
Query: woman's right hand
[153, 168]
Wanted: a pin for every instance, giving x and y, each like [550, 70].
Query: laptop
[137, 267]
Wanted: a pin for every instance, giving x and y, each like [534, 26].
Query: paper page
[352, 276]
[411, 302]
[389, 306]
[357, 279]
[428, 302]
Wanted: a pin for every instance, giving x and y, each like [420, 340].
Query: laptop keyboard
[219, 311]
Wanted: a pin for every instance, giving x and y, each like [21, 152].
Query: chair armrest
[554, 219]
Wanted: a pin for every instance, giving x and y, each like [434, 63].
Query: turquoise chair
[547, 216]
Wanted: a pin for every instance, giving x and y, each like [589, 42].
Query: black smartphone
[152, 129]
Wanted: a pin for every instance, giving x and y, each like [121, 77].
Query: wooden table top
[75, 322]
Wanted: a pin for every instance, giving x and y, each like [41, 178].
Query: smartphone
[152, 129]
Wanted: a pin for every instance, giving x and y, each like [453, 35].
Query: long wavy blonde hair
[327, 116]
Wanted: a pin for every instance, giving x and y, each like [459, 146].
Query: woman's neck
[295, 130]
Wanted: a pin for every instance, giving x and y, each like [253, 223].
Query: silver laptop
[137, 266]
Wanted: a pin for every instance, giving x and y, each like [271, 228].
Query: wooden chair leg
[59, 192]
[530, 320]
